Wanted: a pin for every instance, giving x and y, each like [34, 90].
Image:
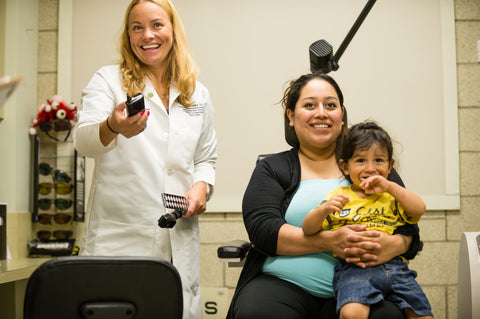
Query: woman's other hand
[391, 246]
[366, 248]
[119, 123]
[197, 199]
[351, 241]
[125, 125]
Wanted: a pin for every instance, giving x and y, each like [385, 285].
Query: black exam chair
[235, 251]
[104, 287]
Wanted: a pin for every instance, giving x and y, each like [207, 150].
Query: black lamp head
[321, 57]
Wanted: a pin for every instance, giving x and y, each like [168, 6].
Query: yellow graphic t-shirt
[380, 212]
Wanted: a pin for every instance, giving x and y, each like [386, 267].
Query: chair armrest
[234, 251]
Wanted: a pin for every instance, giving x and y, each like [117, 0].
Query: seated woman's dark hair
[291, 96]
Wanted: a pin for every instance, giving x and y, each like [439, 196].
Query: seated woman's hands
[366, 248]
[391, 246]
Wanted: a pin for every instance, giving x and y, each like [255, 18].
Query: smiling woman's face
[317, 118]
[151, 34]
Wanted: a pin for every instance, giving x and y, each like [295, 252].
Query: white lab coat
[174, 152]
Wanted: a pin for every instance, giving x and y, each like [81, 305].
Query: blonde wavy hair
[181, 70]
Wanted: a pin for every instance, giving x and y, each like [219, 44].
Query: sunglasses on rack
[60, 188]
[45, 235]
[57, 125]
[60, 203]
[60, 218]
[58, 175]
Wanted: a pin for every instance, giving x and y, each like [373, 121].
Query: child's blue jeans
[393, 281]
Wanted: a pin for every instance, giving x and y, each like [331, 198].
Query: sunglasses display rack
[58, 195]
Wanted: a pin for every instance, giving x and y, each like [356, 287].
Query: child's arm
[412, 203]
[312, 223]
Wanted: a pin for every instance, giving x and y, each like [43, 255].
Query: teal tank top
[312, 272]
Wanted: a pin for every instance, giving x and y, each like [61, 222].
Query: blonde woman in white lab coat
[169, 147]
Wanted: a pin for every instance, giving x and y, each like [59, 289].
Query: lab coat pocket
[121, 239]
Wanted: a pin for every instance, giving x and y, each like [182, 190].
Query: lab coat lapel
[151, 94]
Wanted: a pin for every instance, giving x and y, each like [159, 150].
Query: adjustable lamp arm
[321, 51]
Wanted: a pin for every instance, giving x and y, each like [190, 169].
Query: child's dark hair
[360, 137]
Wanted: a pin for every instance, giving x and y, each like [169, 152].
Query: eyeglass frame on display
[60, 203]
[46, 169]
[60, 218]
[56, 186]
[67, 234]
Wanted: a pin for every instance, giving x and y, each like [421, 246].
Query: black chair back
[104, 287]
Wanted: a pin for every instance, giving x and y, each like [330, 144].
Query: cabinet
[58, 194]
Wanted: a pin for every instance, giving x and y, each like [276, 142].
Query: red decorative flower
[54, 114]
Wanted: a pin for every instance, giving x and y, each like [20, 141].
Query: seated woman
[287, 274]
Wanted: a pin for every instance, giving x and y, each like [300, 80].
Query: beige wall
[441, 231]
[2, 35]
[19, 45]
[219, 33]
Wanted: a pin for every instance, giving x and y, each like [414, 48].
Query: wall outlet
[478, 51]
[3, 231]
